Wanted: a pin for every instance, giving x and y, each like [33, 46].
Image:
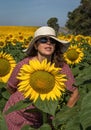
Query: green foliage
[85, 113]
[3, 125]
[79, 21]
[18, 106]
[46, 106]
[4, 95]
[66, 118]
[53, 22]
[15, 50]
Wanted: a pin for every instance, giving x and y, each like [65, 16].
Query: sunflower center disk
[1, 43]
[4, 67]
[72, 55]
[42, 82]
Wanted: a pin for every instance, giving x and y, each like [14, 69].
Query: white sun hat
[50, 32]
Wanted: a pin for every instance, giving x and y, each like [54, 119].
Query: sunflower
[74, 55]
[79, 38]
[2, 42]
[41, 80]
[7, 63]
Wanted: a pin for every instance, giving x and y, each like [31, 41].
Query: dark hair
[31, 52]
[57, 56]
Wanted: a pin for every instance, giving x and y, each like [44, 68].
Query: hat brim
[65, 44]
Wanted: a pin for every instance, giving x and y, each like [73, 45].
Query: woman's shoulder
[65, 66]
[66, 69]
[23, 61]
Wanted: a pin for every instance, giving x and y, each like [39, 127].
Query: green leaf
[45, 127]
[75, 70]
[2, 103]
[18, 106]
[33, 110]
[27, 127]
[6, 94]
[88, 85]
[2, 85]
[84, 75]
[64, 115]
[73, 123]
[85, 114]
[47, 106]
[3, 125]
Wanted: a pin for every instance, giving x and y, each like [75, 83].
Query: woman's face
[45, 46]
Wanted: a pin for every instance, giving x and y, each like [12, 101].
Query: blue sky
[35, 12]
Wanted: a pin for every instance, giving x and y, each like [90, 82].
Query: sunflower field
[13, 42]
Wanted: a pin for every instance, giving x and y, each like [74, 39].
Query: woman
[43, 45]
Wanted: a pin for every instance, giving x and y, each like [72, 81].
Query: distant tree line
[79, 21]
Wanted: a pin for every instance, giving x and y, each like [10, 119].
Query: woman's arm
[69, 84]
[73, 98]
[13, 81]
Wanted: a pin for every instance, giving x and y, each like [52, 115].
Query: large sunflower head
[41, 80]
[74, 55]
[7, 63]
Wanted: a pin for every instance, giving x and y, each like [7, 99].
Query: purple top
[17, 119]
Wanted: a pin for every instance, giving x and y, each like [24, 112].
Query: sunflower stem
[44, 117]
[71, 66]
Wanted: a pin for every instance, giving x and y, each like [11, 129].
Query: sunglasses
[46, 39]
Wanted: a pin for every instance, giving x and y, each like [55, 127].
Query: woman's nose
[48, 42]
